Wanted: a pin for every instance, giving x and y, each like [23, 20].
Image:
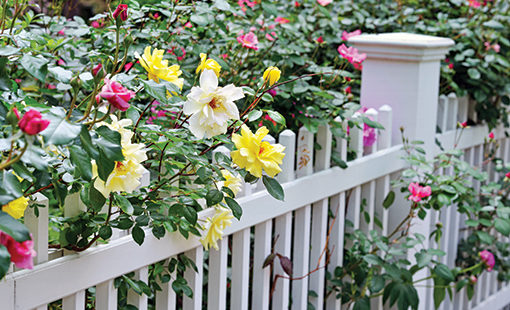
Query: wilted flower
[418, 192]
[254, 154]
[249, 40]
[116, 94]
[32, 123]
[488, 259]
[271, 75]
[211, 106]
[16, 208]
[22, 253]
[208, 63]
[215, 226]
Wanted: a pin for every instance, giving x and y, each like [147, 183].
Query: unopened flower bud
[473, 279]
[121, 11]
[128, 41]
[439, 225]
[76, 84]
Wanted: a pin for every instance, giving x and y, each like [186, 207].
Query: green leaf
[124, 204]
[267, 97]
[38, 67]
[13, 227]
[373, 259]
[377, 284]
[105, 232]
[199, 20]
[61, 74]
[423, 259]
[190, 214]
[105, 166]
[213, 197]
[5, 260]
[362, 304]
[443, 199]
[273, 187]
[155, 90]
[371, 123]
[96, 198]
[254, 115]
[484, 237]
[502, 225]
[237, 211]
[448, 188]
[444, 272]
[8, 51]
[81, 161]
[388, 201]
[59, 131]
[222, 5]
[277, 117]
[86, 143]
[138, 234]
[474, 74]
[439, 292]
[5, 81]
[270, 8]
[494, 25]
[109, 143]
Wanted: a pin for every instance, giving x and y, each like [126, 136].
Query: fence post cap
[402, 46]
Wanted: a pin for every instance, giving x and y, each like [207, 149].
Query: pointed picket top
[288, 139]
[385, 119]
[373, 114]
[356, 135]
[304, 153]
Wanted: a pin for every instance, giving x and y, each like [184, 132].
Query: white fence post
[403, 70]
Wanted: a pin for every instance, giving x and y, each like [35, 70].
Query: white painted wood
[288, 139]
[38, 227]
[336, 243]
[240, 269]
[324, 139]
[304, 153]
[463, 107]
[341, 144]
[382, 187]
[261, 276]
[472, 114]
[166, 299]
[194, 279]
[356, 135]
[453, 110]
[217, 288]
[139, 301]
[283, 231]
[353, 208]
[373, 115]
[442, 113]
[106, 295]
[74, 301]
[385, 119]
[301, 258]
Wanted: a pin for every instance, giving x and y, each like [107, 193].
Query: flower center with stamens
[120, 166]
[215, 103]
[261, 150]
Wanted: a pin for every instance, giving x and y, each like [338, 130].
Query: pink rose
[347, 35]
[96, 69]
[249, 40]
[32, 123]
[352, 55]
[324, 2]
[122, 11]
[488, 259]
[281, 20]
[418, 192]
[116, 94]
[21, 252]
[491, 136]
[320, 40]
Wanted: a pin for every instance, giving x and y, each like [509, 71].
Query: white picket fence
[301, 224]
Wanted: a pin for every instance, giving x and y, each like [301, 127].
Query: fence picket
[240, 269]
[217, 283]
[341, 144]
[139, 301]
[166, 299]
[74, 301]
[106, 295]
[261, 276]
[356, 134]
[463, 107]
[373, 115]
[386, 120]
[302, 218]
[38, 226]
[288, 139]
[442, 113]
[194, 279]
[453, 110]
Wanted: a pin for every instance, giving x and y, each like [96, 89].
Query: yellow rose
[157, 68]
[254, 154]
[271, 75]
[232, 182]
[210, 64]
[215, 226]
[16, 208]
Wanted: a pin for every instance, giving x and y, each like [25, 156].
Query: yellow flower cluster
[16, 208]
[210, 64]
[126, 174]
[254, 154]
[157, 68]
[215, 226]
